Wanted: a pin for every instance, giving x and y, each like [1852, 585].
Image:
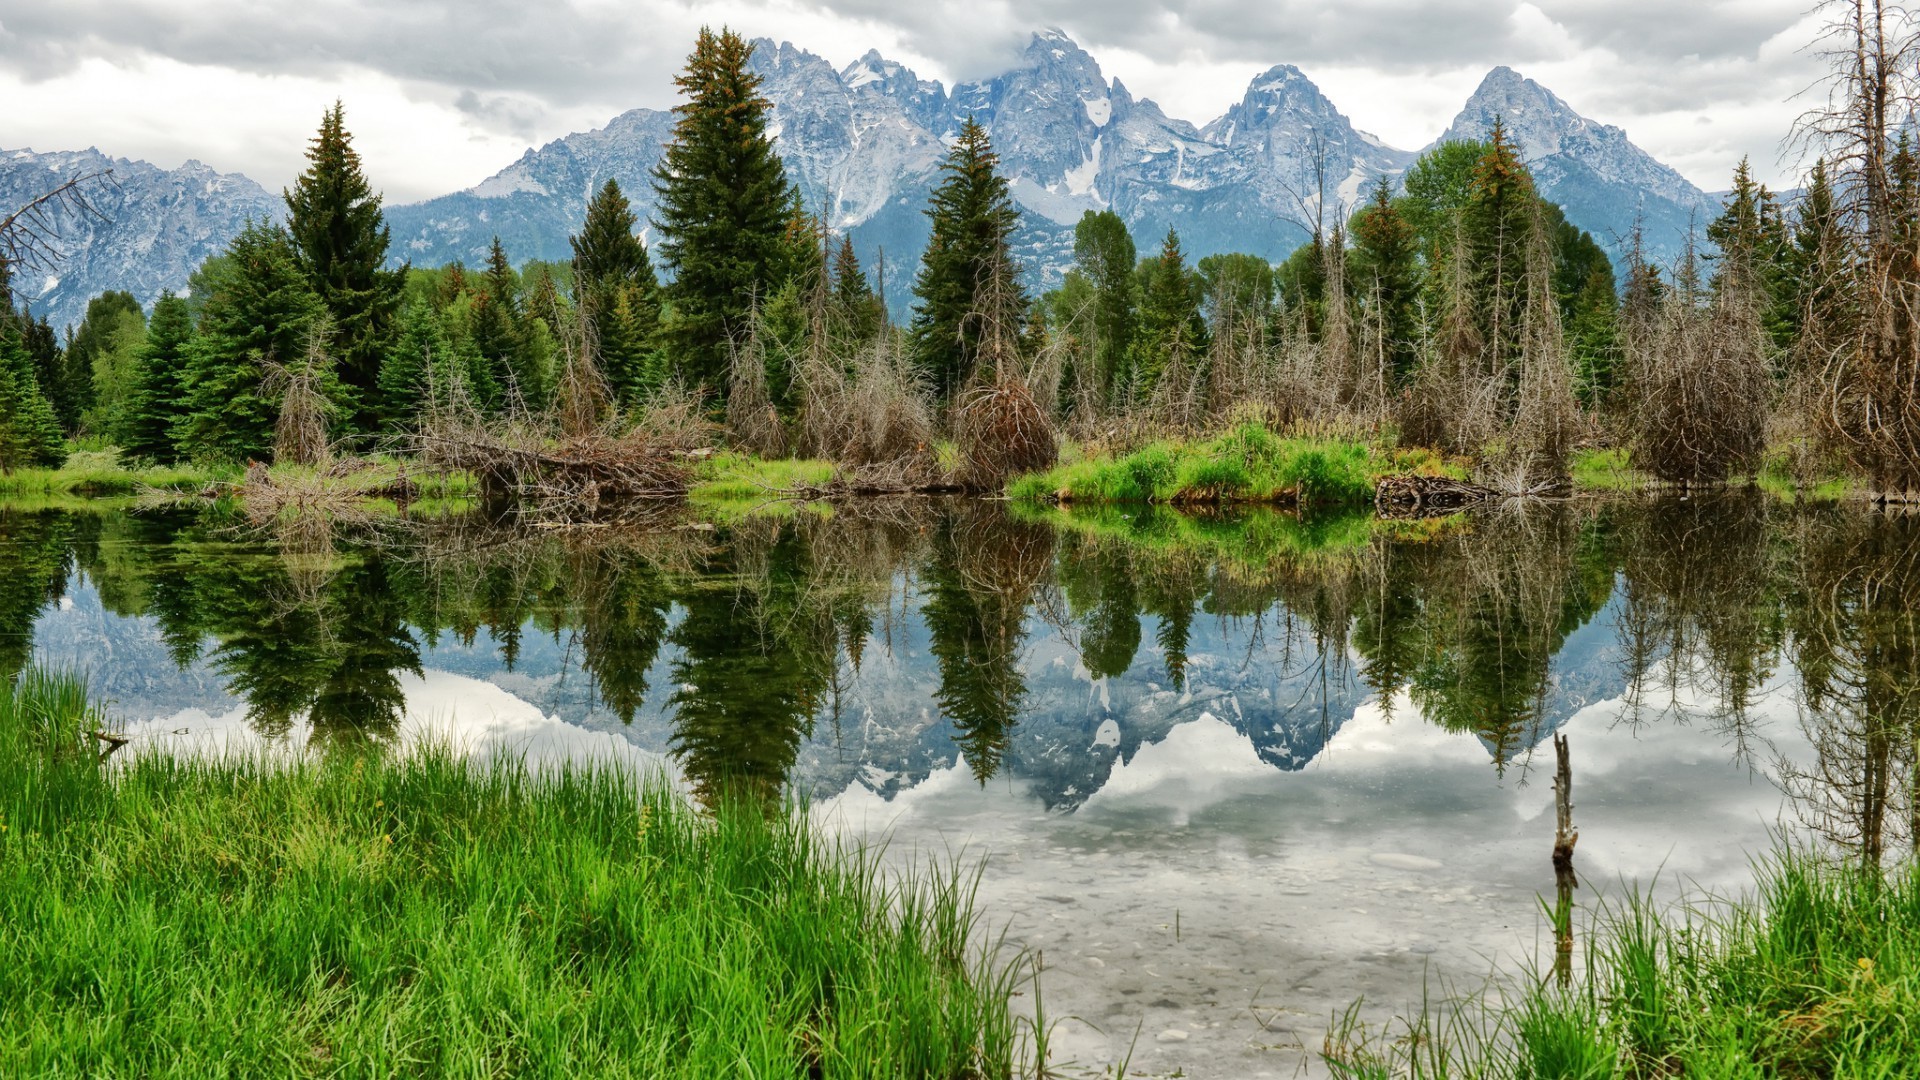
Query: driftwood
[1413, 496]
[1564, 881]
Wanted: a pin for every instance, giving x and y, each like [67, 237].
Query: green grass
[102, 472]
[729, 475]
[1605, 470]
[1247, 463]
[422, 915]
[1817, 974]
[1776, 478]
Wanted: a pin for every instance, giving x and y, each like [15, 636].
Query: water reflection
[1053, 644]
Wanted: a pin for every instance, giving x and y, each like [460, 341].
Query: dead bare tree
[1867, 378]
[30, 235]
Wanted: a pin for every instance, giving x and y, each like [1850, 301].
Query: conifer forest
[721, 646]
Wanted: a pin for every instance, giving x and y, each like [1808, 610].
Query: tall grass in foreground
[1817, 974]
[364, 916]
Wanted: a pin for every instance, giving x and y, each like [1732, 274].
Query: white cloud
[441, 94]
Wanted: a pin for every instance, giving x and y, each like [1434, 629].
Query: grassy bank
[96, 473]
[423, 915]
[1817, 974]
[1247, 464]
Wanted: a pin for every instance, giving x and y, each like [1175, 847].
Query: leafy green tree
[1171, 324]
[1386, 264]
[968, 253]
[156, 382]
[722, 209]
[259, 308]
[100, 359]
[341, 240]
[1103, 250]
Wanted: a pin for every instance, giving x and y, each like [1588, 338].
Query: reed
[425, 914]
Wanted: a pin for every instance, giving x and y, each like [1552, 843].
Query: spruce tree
[722, 209]
[259, 308]
[420, 369]
[1386, 262]
[615, 284]
[973, 219]
[1170, 321]
[606, 250]
[1103, 250]
[1497, 223]
[341, 239]
[495, 330]
[99, 360]
[29, 431]
[155, 385]
[50, 369]
[860, 311]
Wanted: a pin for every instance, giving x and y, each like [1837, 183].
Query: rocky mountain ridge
[864, 143]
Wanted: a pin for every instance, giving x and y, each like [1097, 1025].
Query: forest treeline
[1459, 310]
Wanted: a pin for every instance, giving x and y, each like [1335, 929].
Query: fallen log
[1414, 496]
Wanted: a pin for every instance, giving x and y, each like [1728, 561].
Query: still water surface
[1227, 774]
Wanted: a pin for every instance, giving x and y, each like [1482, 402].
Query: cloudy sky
[441, 93]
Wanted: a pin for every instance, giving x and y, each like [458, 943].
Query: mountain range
[864, 144]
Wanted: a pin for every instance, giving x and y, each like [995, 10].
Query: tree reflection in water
[765, 628]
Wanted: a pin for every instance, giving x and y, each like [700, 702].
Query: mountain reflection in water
[877, 645]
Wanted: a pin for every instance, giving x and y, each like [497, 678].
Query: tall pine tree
[860, 311]
[1386, 261]
[1171, 325]
[155, 385]
[1498, 221]
[29, 432]
[259, 308]
[968, 253]
[341, 241]
[1103, 250]
[614, 283]
[722, 210]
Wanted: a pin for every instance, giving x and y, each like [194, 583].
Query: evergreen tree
[99, 361]
[973, 220]
[1752, 237]
[1171, 324]
[341, 241]
[615, 284]
[722, 209]
[606, 250]
[859, 310]
[419, 370]
[50, 370]
[259, 308]
[154, 398]
[1497, 223]
[29, 431]
[1386, 263]
[1103, 250]
[1812, 257]
[495, 331]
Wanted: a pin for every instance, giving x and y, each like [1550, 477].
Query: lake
[1227, 773]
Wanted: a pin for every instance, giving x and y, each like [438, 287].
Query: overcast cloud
[441, 93]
